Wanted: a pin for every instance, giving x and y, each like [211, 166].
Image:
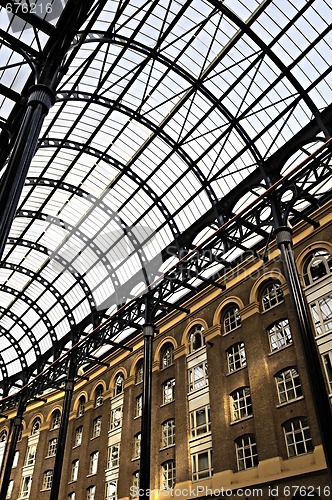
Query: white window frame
[90, 493]
[297, 437]
[196, 332]
[25, 486]
[10, 489]
[74, 470]
[167, 356]
[16, 457]
[321, 311]
[81, 407]
[231, 319]
[288, 385]
[99, 399]
[56, 420]
[134, 490]
[168, 475]
[168, 390]
[139, 405]
[111, 490]
[168, 433]
[118, 384]
[137, 445]
[327, 362]
[52, 446]
[272, 296]
[71, 496]
[96, 427]
[236, 357]
[47, 479]
[246, 452]
[198, 376]
[280, 335]
[199, 473]
[116, 418]
[139, 372]
[78, 436]
[30, 457]
[199, 426]
[113, 456]
[240, 402]
[93, 463]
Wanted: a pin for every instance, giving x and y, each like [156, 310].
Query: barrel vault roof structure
[169, 118]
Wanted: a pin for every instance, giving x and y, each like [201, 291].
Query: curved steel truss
[169, 117]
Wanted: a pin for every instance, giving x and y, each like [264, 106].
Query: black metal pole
[57, 471]
[148, 332]
[309, 348]
[40, 100]
[9, 458]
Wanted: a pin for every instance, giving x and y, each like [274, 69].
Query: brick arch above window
[257, 288]
[224, 305]
[186, 332]
[122, 371]
[310, 249]
[78, 399]
[161, 346]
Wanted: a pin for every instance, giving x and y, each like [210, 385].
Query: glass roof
[162, 109]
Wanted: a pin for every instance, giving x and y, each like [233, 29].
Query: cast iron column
[9, 458]
[57, 470]
[40, 100]
[309, 348]
[148, 331]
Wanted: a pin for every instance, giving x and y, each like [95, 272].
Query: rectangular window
[52, 446]
[200, 421]
[279, 335]
[93, 462]
[137, 445]
[110, 490]
[116, 418]
[168, 391]
[321, 311]
[74, 470]
[78, 436]
[198, 376]
[327, 360]
[113, 456]
[168, 433]
[10, 489]
[138, 409]
[26, 485]
[47, 480]
[31, 455]
[96, 429]
[202, 465]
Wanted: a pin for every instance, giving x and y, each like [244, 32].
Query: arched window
[36, 426]
[196, 339]
[240, 401]
[139, 372]
[297, 436]
[56, 419]
[231, 319]
[99, 396]
[3, 436]
[272, 296]
[81, 407]
[167, 357]
[47, 480]
[246, 452]
[118, 385]
[316, 266]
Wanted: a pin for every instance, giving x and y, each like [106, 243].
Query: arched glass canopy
[167, 114]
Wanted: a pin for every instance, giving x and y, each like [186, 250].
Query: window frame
[137, 445]
[272, 296]
[52, 447]
[279, 335]
[138, 405]
[96, 427]
[195, 382]
[167, 357]
[236, 357]
[288, 382]
[196, 332]
[47, 479]
[91, 492]
[78, 436]
[240, 404]
[291, 436]
[168, 433]
[116, 423]
[111, 461]
[231, 319]
[168, 475]
[93, 463]
[197, 430]
[168, 391]
[56, 420]
[246, 446]
[200, 473]
[74, 470]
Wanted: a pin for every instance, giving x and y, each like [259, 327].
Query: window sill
[234, 422]
[231, 331]
[167, 447]
[273, 307]
[91, 474]
[137, 416]
[134, 459]
[236, 371]
[94, 437]
[165, 367]
[280, 405]
[168, 403]
[280, 349]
